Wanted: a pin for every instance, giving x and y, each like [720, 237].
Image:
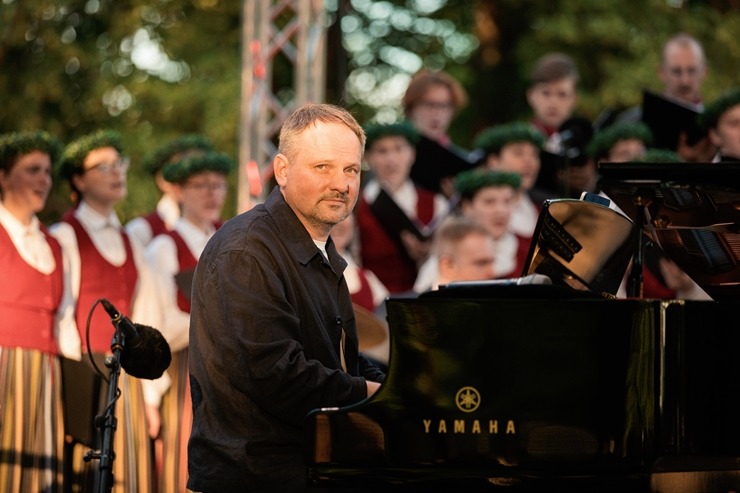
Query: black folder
[83, 391]
[435, 162]
[668, 118]
[394, 220]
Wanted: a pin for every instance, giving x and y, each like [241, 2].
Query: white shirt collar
[169, 210]
[190, 230]
[94, 220]
[14, 227]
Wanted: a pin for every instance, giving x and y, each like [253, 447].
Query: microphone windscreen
[150, 358]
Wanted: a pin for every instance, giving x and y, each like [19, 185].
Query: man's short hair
[682, 39]
[306, 116]
[452, 231]
[553, 67]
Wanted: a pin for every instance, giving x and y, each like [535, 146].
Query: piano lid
[692, 211]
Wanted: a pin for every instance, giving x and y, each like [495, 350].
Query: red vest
[187, 262]
[28, 298]
[382, 254]
[364, 295]
[101, 279]
[156, 223]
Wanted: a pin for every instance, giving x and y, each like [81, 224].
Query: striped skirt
[31, 421]
[133, 465]
[177, 419]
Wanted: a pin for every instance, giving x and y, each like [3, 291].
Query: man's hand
[372, 387]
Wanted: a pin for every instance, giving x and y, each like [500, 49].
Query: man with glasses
[682, 70]
[103, 263]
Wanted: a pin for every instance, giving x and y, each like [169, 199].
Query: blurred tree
[154, 69]
[616, 46]
[151, 70]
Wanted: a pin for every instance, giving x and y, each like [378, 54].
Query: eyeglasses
[108, 168]
[436, 105]
[679, 71]
[202, 186]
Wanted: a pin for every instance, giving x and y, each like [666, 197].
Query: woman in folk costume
[105, 263]
[167, 210]
[31, 413]
[395, 216]
[199, 184]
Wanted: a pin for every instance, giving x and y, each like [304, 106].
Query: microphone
[146, 353]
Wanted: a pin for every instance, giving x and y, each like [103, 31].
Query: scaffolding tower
[293, 33]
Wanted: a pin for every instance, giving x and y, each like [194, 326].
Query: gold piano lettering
[510, 429]
[461, 426]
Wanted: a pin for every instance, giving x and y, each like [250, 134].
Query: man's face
[473, 260]
[391, 159]
[683, 71]
[321, 180]
[727, 134]
[553, 102]
[492, 208]
[432, 115]
[522, 158]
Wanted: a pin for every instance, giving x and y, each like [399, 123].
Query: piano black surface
[540, 388]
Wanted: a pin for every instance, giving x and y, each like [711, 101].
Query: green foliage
[72, 66]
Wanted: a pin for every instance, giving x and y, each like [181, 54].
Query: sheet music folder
[394, 220]
[668, 118]
[435, 162]
[692, 211]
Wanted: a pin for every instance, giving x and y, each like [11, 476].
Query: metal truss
[290, 34]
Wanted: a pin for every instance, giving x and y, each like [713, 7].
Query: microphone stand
[108, 421]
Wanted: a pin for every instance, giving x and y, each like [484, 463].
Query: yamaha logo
[467, 399]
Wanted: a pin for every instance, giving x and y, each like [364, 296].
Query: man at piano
[273, 333]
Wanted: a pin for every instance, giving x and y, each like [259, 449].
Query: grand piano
[549, 382]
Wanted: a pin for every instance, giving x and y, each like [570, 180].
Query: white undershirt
[29, 241]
